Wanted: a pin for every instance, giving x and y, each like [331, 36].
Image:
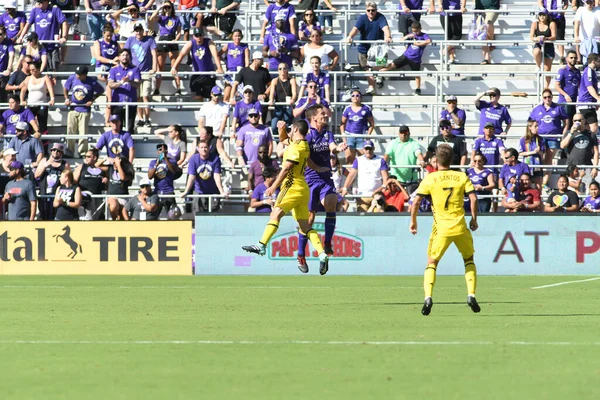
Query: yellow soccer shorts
[439, 244]
[294, 200]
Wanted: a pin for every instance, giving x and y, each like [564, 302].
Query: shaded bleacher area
[512, 70]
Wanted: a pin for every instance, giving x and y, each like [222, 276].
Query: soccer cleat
[427, 306]
[256, 249]
[328, 249]
[302, 265]
[471, 302]
[324, 263]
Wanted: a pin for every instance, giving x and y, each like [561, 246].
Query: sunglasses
[143, 186]
[309, 14]
[253, 116]
[577, 120]
[311, 86]
[56, 150]
[282, 69]
[356, 95]
[444, 128]
[198, 36]
[248, 91]
[508, 158]
[404, 132]
[478, 161]
[87, 156]
[371, 10]
[547, 97]
[368, 148]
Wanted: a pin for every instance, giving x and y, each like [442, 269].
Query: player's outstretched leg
[302, 243]
[261, 247]
[471, 279]
[428, 284]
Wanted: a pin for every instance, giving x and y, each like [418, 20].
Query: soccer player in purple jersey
[321, 186]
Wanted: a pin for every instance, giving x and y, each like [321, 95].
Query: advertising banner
[380, 244]
[98, 248]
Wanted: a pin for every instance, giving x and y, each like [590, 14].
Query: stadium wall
[380, 244]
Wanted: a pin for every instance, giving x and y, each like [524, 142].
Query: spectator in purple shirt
[259, 201]
[490, 146]
[124, 80]
[280, 47]
[7, 55]
[84, 91]
[48, 21]
[567, 84]
[164, 171]
[12, 20]
[483, 180]
[455, 115]
[588, 91]
[321, 78]
[169, 31]
[283, 10]
[407, 17]
[413, 54]
[592, 202]
[357, 119]
[512, 168]
[256, 169]
[250, 137]
[242, 108]
[312, 98]
[237, 56]
[493, 112]
[117, 141]
[14, 115]
[532, 147]
[204, 177]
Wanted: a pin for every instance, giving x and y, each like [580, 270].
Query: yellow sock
[471, 277]
[313, 236]
[270, 230]
[429, 279]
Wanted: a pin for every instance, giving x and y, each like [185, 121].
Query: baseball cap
[137, 26]
[31, 36]
[58, 146]
[9, 152]
[16, 165]
[216, 90]
[253, 111]
[10, 4]
[403, 128]
[257, 55]
[451, 98]
[198, 32]
[114, 118]
[82, 70]
[488, 125]
[22, 126]
[248, 87]
[368, 143]
[543, 11]
[145, 182]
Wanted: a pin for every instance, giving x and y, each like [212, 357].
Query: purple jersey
[259, 194]
[321, 80]
[531, 146]
[588, 78]
[47, 23]
[357, 121]
[461, 114]
[168, 25]
[591, 203]
[116, 145]
[284, 12]
[554, 5]
[496, 115]
[568, 80]
[279, 42]
[490, 149]
[479, 178]
[6, 47]
[82, 92]
[450, 5]
[126, 92]
[303, 27]
[550, 120]
[509, 171]
[9, 119]
[413, 52]
[107, 50]
[241, 111]
[203, 171]
[12, 25]
[319, 154]
[163, 177]
[236, 56]
[252, 138]
[413, 4]
[202, 59]
[141, 52]
[303, 101]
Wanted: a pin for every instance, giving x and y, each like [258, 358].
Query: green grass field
[304, 337]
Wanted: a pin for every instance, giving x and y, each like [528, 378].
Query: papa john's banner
[96, 247]
[380, 244]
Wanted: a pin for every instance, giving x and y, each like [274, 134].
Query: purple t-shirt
[461, 114]
[319, 154]
[357, 121]
[591, 204]
[496, 115]
[241, 111]
[163, 177]
[568, 79]
[303, 27]
[413, 52]
[490, 149]
[276, 11]
[141, 51]
[236, 57]
[9, 119]
[47, 23]
[118, 144]
[303, 101]
[259, 194]
[322, 79]
[588, 78]
[448, 5]
[278, 42]
[203, 171]
[107, 50]
[550, 120]
[252, 138]
[414, 4]
[257, 169]
[507, 171]
[82, 92]
[168, 25]
[12, 25]
[479, 178]
[6, 47]
[202, 59]
[126, 92]
[531, 146]
[554, 5]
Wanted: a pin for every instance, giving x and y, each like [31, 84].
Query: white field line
[220, 287]
[565, 283]
[293, 342]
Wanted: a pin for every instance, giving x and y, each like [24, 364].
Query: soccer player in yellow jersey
[294, 195]
[447, 189]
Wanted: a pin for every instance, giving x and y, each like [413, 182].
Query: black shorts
[560, 28]
[402, 61]
[590, 115]
[208, 20]
[202, 85]
[454, 26]
[163, 46]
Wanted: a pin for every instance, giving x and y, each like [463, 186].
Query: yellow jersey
[447, 190]
[297, 153]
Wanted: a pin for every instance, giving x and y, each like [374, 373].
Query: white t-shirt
[589, 22]
[213, 114]
[369, 173]
[321, 52]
